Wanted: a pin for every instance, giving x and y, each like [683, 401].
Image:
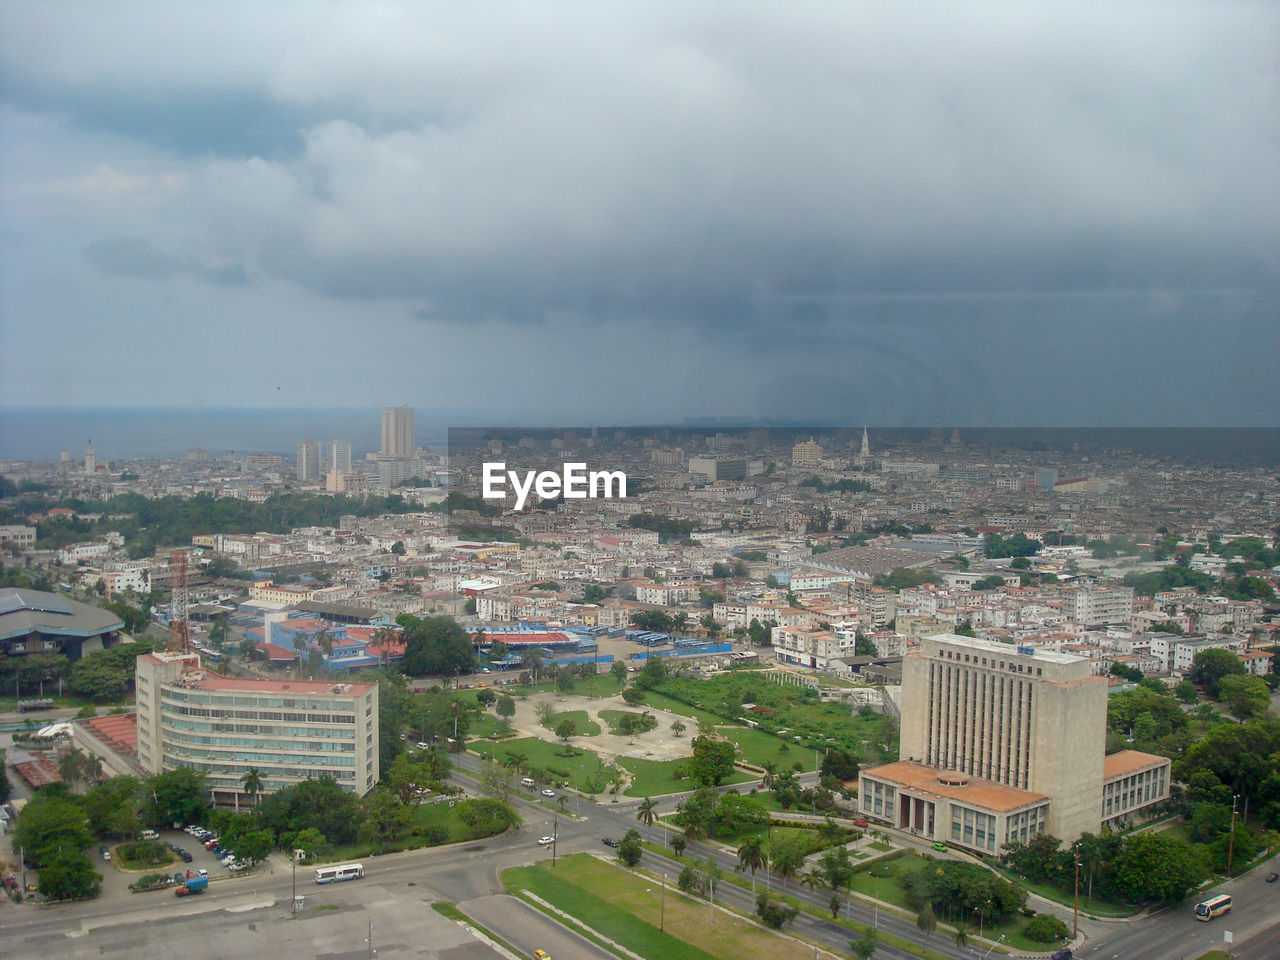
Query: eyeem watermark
[574, 482]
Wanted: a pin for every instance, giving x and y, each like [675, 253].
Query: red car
[861, 823]
[1272, 877]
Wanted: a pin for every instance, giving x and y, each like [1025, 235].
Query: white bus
[346, 871]
[1213, 907]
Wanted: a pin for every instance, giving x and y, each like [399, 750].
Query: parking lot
[115, 882]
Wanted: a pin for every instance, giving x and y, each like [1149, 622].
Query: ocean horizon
[127, 433]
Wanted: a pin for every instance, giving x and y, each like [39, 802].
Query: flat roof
[961, 787]
[203, 679]
[1129, 761]
[1003, 649]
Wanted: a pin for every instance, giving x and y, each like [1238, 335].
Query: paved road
[528, 929]
[250, 917]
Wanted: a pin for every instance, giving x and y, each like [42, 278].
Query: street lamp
[555, 835]
[1231, 842]
[1075, 909]
[296, 856]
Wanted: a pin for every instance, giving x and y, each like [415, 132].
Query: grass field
[584, 725]
[758, 748]
[653, 778]
[628, 908]
[487, 725]
[662, 702]
[614, 719]
[545, 755]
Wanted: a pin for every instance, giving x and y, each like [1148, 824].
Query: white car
[549, 793]
[422, 746]
[237, 866]
[546, 841]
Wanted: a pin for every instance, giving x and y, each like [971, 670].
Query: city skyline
[978, 217]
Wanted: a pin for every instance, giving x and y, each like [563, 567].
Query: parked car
[106, 854]
[1063, 954]
[1272, 877]
[940, 846]
[861, 823]
[610, 841]
[237, 866]
[184, 856]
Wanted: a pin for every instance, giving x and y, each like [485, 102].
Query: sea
[42, 433]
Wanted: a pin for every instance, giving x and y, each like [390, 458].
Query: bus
[1213, 907]
[346, 871]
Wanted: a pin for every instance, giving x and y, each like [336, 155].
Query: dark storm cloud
[844, 187]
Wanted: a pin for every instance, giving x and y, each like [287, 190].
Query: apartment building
[289, 730]
[810, 646]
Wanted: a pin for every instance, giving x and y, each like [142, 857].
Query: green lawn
[546, 756]
[487, 725]
[653, 778]
[585, 726]
[614, 719]
[661, 701]
[628, 909]
[758, 747]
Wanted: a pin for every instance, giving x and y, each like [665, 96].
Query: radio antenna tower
[179, 628]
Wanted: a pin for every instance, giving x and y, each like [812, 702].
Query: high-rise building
[339, 457]
[90, 461]
[397, 432]
[806, 452]
[308, 460]
[1000, 743]
[223, 726]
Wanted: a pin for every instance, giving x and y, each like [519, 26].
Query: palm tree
[787, 861]
[252, 782]
[962, 934]
[71, 767]
[645, 813]
[752, 855]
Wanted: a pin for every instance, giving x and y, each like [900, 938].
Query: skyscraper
[339, 456]
[397, 432]
[308, 460]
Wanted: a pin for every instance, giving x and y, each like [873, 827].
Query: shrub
[1046, 928]
[692, 881]
[773, 913]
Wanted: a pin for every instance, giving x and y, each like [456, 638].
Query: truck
[194, 885]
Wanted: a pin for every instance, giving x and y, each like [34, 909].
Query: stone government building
[1000, 743]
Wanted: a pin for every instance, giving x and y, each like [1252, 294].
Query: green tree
[310, 841]
[177, 796]
[1208, 667]
[435, 646]
[69, 875]
[49, 825]
[619, 671]
[629, 850]
[646, 812]
[252, 782]
[318, 803]
[593, 593]
[678, 727]
[753, 855]
[565, 730]
[1246, 697]
[712, 760]
[1153, 866]
[112, 805]
[787, 859]
[385, 819]
[254, 846]
[864, 947]
[564, 680]
[774, 914]
[926, 921]
[506, 707]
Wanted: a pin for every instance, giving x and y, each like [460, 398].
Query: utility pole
[1231, 842]
[369, 940]
[1075, 910]
[555, 835]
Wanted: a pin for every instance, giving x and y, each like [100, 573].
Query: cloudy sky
[976, 213]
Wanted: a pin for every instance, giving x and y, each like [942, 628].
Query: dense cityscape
[919, 615]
